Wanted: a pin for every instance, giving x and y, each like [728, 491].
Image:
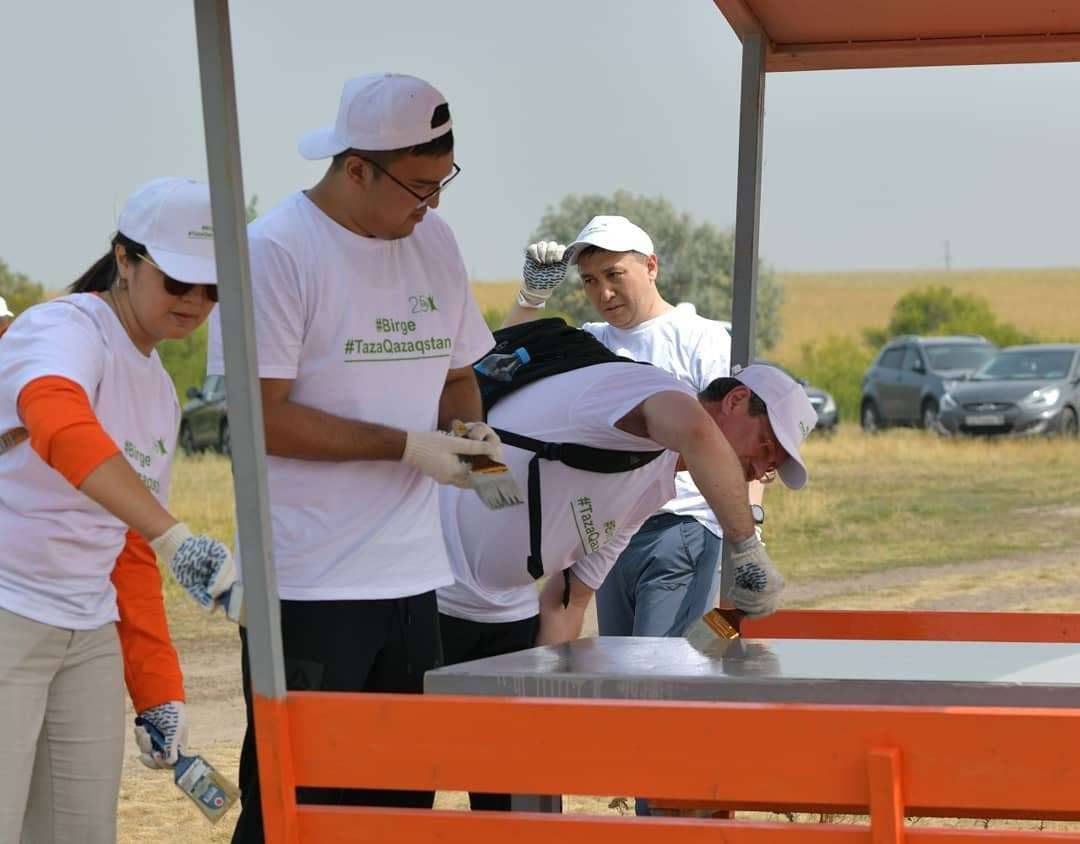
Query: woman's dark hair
[102, 272]
[720, 387]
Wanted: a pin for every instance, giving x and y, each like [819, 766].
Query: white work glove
[203, 566]
[758, 584]
[544, 270]
[482, 432]
[170, 722]
[439, 455]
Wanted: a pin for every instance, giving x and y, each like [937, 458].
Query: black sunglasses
[420, 198]
[180, 288]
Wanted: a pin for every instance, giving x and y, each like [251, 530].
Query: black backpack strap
[583, 457]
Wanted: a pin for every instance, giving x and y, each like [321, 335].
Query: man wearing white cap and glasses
[366, 329]
[89, 420]
[668, 575]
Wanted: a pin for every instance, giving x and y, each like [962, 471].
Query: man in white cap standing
[6, 316]
[668, 575]
[366, 329]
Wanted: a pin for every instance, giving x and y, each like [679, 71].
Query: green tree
[18, 289]
[836, 364]
[938, 310]
[696, 258]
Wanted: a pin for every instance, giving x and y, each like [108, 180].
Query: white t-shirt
[59, 547]
[587, 518]
[695, 350]
[366, 329]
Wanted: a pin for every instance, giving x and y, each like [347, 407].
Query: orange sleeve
[151, 666]
[63, 428]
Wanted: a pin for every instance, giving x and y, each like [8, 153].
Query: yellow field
[817, 305]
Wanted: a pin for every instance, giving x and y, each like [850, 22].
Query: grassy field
[970, 524]
[817, 305]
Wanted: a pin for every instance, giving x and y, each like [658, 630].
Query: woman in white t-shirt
[88, 423]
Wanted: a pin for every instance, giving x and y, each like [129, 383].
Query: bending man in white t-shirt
[668, 575]
[733, 432]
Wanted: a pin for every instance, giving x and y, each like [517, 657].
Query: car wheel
[929, 415]
[870, 418]
[225, 439]
[187, 441]
[1070, 426]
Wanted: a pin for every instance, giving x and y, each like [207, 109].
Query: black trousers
[344, 646]
[464, 641]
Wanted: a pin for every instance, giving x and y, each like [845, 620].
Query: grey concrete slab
[780, 670]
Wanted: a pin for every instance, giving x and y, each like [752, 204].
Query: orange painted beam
[959, 761]
[389, 826]
[932, 52]
[916, 626]
[886, 797]
[277, 785]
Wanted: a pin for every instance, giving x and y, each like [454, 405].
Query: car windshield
[1026, 366]
[967, 356]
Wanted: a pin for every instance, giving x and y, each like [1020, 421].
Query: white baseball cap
[791, 415]
[615, 234]
[5, 311]
[171, 218]
[383, 111]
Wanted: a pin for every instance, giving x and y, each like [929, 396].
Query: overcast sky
[863, 169]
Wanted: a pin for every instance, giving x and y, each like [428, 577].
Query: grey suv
[204, 421]
[905, 383]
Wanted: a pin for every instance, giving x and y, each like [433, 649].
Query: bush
[19, 290]
[938, 310]
[837, 364]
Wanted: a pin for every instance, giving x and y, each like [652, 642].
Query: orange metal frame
[885, 762]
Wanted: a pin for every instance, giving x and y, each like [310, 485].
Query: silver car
[1022, 390]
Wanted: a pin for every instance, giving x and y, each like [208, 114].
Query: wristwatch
[758, 512]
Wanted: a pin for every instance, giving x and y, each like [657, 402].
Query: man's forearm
[305, 433]
[560, 624]
[460, 399]
[517, 315]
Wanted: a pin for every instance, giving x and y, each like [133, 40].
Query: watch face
[758, 512]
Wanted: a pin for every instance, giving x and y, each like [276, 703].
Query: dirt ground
[151, 809]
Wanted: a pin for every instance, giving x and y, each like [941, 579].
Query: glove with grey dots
[545, 268]
[203, 566]
[161, 733]
[758, 584]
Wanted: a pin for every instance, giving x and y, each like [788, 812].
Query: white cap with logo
[791, 415]
[171, 218]
[615, 234]
[383, 111]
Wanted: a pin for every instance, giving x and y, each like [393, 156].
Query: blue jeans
[664, 579]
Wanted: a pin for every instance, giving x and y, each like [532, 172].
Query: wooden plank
[959, 761]
[916, 626]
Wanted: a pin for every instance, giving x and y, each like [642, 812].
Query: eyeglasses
[180, 288]
[421, 199]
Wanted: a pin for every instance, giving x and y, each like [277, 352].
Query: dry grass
[817, 305]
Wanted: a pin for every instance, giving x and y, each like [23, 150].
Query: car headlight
[948, 402]
[1046, 397]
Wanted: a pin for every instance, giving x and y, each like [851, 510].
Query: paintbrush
[716, 625]
[490, 478]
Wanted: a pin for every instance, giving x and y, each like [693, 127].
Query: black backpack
[554, 347]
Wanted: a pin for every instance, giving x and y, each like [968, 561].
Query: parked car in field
[1022, 390]
[204, 421]
[823, 402]
[905, 383]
